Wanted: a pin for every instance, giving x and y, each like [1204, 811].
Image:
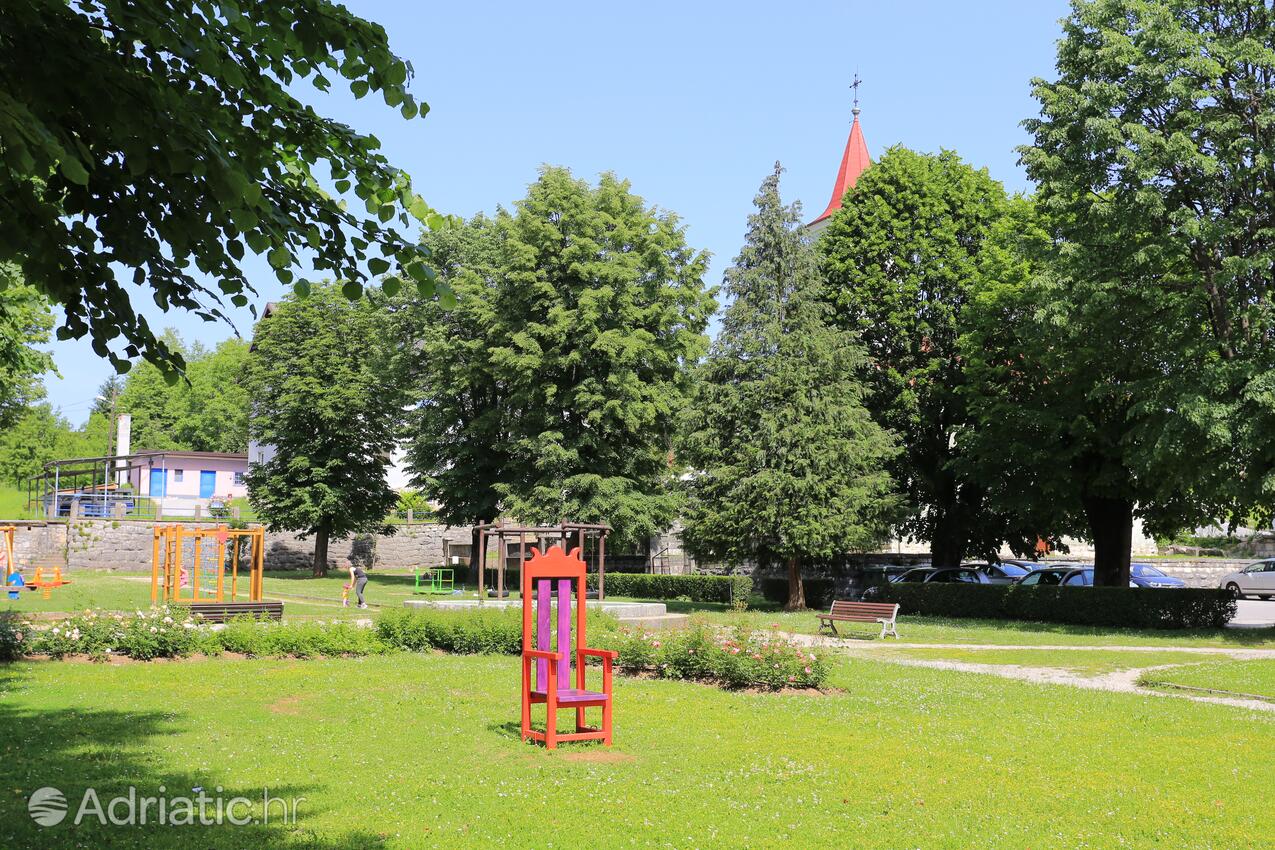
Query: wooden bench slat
[844, 611]
[220, 612]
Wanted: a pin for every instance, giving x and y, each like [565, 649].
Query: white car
[1254, 580]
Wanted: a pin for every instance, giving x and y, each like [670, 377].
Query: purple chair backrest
[544, 636]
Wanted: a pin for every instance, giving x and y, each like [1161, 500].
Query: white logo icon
[47, 806]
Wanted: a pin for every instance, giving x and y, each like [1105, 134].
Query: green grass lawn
[111, 591]
[13, 504]
[1089, 662]
[1247, 677]
[422, 750]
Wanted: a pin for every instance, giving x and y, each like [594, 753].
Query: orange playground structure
[191, 564]
[45, 582]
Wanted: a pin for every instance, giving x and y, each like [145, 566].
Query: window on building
[239, 479]
[177, 474]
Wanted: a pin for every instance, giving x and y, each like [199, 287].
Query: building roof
[189, 454]
[854, 162]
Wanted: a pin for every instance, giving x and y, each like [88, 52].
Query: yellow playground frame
[6, 550]
[167, 569]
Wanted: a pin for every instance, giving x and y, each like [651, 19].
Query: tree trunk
[1111, 526]
[945, 551]
[321, 551]
[796, 590]
[947, 544]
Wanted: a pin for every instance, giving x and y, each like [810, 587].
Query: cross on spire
[855, 85]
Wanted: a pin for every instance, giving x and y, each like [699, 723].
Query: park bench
[220, 612]
[861, 612]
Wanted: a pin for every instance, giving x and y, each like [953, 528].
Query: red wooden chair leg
[551, 711]
[579, 719]
[526, 698]
[606, 706]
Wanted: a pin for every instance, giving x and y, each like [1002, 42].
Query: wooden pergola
[524, 536]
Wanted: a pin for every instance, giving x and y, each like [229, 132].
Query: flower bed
[173, 633]
[736, 658]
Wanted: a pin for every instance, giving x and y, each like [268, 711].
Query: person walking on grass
[358, 579]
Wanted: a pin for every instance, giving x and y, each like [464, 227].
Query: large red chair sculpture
[546, 577]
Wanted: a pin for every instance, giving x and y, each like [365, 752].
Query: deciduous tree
[158, 142]
[460, 435]
[568, 385]
[900, 259]
[1153, 154]
[25, 322]
[325, 400]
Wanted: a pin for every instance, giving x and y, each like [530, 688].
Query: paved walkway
[1253, 614]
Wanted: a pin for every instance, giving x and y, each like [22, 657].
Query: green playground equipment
[438, 580]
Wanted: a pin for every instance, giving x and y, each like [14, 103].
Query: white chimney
[123, 435]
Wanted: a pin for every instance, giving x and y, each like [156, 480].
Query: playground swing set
[203, 579]
[14, 582]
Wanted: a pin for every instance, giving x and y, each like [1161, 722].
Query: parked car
[1148, 575]
[1254, 580]
[1047, 575]
[1006, 572]
[1082, 577]
[1036, 565]
[969, 575]
[918, 575]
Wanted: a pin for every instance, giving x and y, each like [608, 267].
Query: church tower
[854, 162]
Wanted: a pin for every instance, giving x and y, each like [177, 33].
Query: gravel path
[1121, 681]
[1238, 653]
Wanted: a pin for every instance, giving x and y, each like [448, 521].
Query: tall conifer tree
[786, 461]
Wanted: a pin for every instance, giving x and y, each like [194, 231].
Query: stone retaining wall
[39, 543]
[127, 546]
[1201, 573]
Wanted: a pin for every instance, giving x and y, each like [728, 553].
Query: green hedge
[1132, 607]
[697, 588]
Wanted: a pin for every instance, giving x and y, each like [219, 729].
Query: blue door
[158, 481]
[207, 483]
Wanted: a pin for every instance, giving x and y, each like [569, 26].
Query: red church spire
[853, 162]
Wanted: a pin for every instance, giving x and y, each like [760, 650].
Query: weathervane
[855, 85]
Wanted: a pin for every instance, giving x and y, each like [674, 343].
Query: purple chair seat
[570, 695]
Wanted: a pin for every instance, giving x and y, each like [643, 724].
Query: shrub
[1132, 607]
[15, 637]
[739, 658]
[157, 634]
[695, 588]
[488, 632]
[258, 638]
[144, 635]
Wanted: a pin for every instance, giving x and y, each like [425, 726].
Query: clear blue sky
[691, 101]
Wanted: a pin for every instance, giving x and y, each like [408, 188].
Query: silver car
[1254, 580]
